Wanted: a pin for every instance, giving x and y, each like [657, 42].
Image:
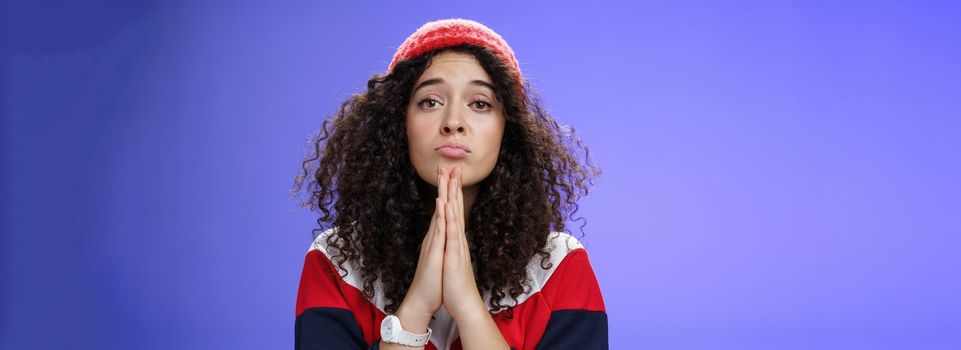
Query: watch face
[387, 329]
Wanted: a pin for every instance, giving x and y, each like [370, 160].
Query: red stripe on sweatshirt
[573, 285]
[322, 286]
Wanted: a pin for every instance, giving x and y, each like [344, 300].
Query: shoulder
[320, 242]
[319, 249]
[560, 245]
[571, 282]
[565, 250]
[350, 271]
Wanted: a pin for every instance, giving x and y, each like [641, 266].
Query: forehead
[455, 65]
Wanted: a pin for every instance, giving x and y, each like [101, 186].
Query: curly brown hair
[360, 177]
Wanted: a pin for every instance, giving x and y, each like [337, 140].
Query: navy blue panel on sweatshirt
[329, 328]
[575, 329]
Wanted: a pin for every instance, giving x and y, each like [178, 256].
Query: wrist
[392, 331]
[413, 320]
[471, 313]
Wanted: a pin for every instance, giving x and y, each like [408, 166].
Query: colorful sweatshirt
[563, 310]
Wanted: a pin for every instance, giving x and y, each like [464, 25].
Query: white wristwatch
[392, 332]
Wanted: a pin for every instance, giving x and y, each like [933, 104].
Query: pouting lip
[454, 144]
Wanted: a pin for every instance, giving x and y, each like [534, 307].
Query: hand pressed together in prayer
[445, 274]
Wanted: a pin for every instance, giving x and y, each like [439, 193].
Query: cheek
[418, 150]
[418, 136]
[492, 143]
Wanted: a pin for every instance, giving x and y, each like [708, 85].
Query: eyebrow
[441, 81]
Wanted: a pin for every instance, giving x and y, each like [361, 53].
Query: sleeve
[324, 316]
[578, 318]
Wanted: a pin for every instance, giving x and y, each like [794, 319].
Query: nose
[447, 130]
[452, 124]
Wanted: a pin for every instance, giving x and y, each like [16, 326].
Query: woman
[444, 188]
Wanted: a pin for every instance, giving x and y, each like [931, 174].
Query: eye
[482, 104]
[429, 100]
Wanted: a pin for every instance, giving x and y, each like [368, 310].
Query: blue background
[777, 174]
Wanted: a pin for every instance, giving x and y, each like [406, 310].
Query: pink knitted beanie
[455, 31]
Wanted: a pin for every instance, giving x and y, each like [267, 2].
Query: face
[454, 101]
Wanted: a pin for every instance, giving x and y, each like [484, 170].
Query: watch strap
[404, 337]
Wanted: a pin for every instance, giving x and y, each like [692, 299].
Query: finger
[453, 237]
[451, 189]
[439, 230]
[460, 196]
[442, 181]
[435, 249]
[431, 235]
[428, 237]
[439, 248]
[458, 207]
[464, 243]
